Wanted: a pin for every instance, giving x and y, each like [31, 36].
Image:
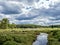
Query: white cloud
[42, 12]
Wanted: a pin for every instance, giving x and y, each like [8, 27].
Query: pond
[42, 39]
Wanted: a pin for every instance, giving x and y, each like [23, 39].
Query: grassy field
[30, 29]
[26, 36]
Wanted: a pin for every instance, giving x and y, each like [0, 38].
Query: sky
[40, 12]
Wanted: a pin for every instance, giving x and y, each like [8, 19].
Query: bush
[20, 39]
[10, 43]
[4, 38]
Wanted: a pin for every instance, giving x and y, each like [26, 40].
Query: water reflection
[41, 39]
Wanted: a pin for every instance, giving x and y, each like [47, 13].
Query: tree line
[5, 24]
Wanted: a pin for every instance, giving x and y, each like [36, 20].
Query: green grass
[26, 36]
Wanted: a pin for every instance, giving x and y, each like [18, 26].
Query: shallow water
[42, 39]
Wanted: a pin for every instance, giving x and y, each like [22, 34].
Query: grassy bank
[27, 36]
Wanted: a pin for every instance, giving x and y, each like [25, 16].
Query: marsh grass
[26, 36]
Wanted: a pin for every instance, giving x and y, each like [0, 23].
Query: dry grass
[30, 29]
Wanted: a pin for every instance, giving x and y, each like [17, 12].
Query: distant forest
[5, 24]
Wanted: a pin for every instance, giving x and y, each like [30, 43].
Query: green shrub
[4, 38]
[10, 43]
[20, 39]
